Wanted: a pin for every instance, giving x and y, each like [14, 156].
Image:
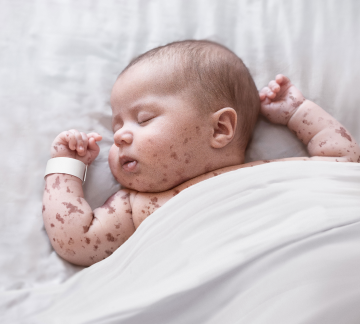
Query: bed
[59, 60]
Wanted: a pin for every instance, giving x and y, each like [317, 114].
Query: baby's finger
[85, 144]
[71, 139]
[79, 141]
[95, 136]
[270, 94]
[274, 86]
[282, 79]
[92, 144]
[263, 93]
[262, 96]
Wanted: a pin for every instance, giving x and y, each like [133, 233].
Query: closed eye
[145, 120]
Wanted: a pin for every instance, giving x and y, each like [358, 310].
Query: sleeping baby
[181, 113]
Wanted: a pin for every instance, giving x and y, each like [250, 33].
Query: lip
[128, 164]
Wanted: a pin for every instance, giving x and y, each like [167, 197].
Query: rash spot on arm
[343, 133]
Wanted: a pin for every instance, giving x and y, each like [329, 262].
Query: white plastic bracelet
[67, 166]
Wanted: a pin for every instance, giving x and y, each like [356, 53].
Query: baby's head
[179, 111]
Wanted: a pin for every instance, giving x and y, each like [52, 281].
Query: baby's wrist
[298, 107]
[68, 166]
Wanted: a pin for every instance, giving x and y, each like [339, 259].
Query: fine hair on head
[215, 75]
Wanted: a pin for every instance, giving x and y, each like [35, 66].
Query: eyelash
[144, 121]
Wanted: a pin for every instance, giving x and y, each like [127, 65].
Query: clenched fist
[76, 145]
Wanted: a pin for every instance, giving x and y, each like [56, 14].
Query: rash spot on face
[86, 229]
[128, 211]
[179, 172]
[110, 238]
[175, 192]
[143, 211]
[197, 128]
[185, 141]
[71, 241]
[52, 225]
[72, 209]
[56, 184]
[59, 218]
[108, 252]
[174, 156]
[266, 161]
[95, 247]
[67, 189]
[98, 241]
[117, 225]
[43, 209]
[87, 240]
[61, 243]
[79, 201]
[343, 133]
[46, 188]
[70, 252]
[55, 148]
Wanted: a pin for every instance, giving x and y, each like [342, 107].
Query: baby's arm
[324, 136]
[77, 233]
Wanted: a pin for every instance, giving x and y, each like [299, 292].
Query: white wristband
[67, 166]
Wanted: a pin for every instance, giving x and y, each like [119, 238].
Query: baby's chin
[143, 184]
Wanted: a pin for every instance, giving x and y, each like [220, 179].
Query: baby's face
[160, 139]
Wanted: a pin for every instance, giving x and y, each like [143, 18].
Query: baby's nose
[123, 137]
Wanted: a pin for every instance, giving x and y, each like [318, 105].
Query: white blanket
[277, 243]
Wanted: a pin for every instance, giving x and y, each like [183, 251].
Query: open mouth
[128, 164]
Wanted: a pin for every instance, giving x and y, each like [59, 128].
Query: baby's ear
[224, 123]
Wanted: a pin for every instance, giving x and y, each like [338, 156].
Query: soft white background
[59, 59]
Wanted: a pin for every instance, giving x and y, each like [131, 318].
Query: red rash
[59, 218]
[72, 208]
[56, 184]
[110, 238]
[342, 132]
[107, 204]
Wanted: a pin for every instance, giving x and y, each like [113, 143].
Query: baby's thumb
[93, 146]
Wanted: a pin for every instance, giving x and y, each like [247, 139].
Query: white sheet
[277, 243]
[59, 59]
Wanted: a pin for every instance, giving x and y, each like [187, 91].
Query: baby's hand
[280, 99]
[76, 145]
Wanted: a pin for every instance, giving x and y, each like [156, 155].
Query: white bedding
[59, 59]
[277, 243]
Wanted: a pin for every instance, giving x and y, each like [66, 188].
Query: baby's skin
[155, 156]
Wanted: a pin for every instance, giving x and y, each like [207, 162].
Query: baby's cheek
[113, 160]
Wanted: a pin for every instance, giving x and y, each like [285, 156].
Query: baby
[182, 113]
